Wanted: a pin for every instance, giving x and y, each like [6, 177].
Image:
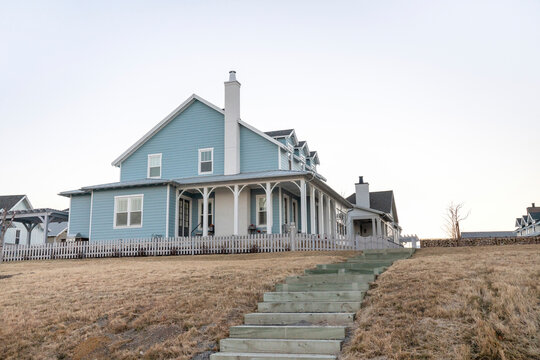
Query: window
[295, 212]
[17, 236]
[154, 166]
[261, 210]
[128, 211]
[206, 161]
[210, 212]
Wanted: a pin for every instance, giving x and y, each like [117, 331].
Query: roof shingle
[9, 201]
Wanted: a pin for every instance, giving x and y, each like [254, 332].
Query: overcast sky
[438, 101]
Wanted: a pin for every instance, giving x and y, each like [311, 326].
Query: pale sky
[438, 101]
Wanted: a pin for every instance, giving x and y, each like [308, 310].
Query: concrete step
[309, 307]
[314, 296]
[262, 356]
[356, 265]
[323, 347]
[303, 287]
[288, 332]
[335, 319]
[330, 278]
[374, 271]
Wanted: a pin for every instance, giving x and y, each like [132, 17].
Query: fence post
[292, 232]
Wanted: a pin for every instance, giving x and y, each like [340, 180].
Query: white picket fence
[188, 246]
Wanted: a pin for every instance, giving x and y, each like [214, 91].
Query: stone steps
[299, 319]
[306, 317]
[281, 346]
[309, 307]
[314, 296]
[310, 332]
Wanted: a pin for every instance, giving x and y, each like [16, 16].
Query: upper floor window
[154, 166]
[128, 211]
[206, 161]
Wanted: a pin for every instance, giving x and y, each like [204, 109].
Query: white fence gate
[188, 246]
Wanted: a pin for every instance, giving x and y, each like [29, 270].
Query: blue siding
[256, 152]
[297, 165]
[199, 126]
[284, 160]
[79, 219]
[154, 210]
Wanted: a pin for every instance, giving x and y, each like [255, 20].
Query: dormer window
[154, 166]
[206, 161]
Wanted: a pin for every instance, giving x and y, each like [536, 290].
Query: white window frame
[200, 212]
[128, 226]
[257, 197]
[199, 167]
[294, 212]
[286, 210]
[176, 222]
[160, 166]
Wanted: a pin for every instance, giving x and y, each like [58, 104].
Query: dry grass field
[453, 303]
[150, 308]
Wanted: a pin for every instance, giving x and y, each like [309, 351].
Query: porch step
[269, 356]
[303, 287]
[309, 307]
[314, 296]
[282, 346]
[288, 332]
[299, 319]
[330, 278]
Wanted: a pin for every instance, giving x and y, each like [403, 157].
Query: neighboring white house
[529, 225]
[374, 213]
[18, 234]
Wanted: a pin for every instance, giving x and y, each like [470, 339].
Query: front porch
[225, 206]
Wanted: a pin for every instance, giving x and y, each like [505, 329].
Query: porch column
[29, 228]
[303, 206]
[373, 228]
[312, 211]
[46, 229]
[236, 194]
[205, 212]
[328, 225]
[379, 227]
[321, 213]
[269, 215]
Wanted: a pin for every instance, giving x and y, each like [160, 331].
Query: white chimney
[232, 128]
[362, 193]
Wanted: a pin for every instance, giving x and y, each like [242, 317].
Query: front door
[184, 206]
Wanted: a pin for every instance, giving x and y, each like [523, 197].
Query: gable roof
[9, 201]
[535, 215]
[279, 133]
[190, 100]
[315, 156]
[378, 200]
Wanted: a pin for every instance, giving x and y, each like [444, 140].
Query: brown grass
[151, 308]
[453, 303]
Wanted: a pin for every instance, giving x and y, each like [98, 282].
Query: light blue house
[204, 171]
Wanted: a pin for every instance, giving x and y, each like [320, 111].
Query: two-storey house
[204, 171]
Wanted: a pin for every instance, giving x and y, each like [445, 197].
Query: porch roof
[35, 216]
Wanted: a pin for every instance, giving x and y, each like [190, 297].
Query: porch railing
[193, 245]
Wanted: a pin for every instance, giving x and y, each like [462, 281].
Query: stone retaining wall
[521, 240]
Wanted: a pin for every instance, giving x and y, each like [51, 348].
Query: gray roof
[301, 143]
[241, 176]
[378, 200]
[486, 234]
[57, 228]
[279, 133]
[535, 215]
[312, 153]
[9, 201]
[116, 185]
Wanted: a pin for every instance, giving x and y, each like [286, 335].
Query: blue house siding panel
[79, 219]
[284, 160]
[199, 126]
[297, 165]
[256, 152]
[154, 214]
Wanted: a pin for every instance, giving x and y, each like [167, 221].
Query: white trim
[91, 212]
[69, 213]
[199, 167]
[167, 211]
[280, 210]
[128, 211]
[176, 223]
[20, 201]
[148, 166]
[257, 197]
[279, 157]
[259, 132]
[162, 124]
[287, 219]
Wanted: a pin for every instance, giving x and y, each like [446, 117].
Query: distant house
[529, 224]
[204, 171]
[374, 213]
[18, 233]
[57, 232]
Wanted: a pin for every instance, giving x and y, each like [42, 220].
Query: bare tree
[454, 215]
